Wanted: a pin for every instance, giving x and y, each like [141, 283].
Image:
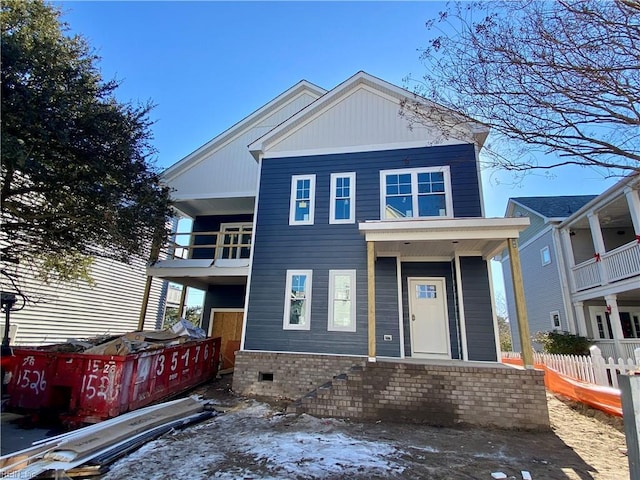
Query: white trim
[460, 302]
[424, 259]
[553, 325]
[179, 197]
[214, 310]
[448, 194]
[561, 267]
[286, 325]
[494, 227]
[376, 147]
[476, 150]
[312, 199]
[253, 244]
[548, 227]
[352, 198]
[331, 327]
[400, 306]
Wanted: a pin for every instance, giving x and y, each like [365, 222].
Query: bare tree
[560, 77]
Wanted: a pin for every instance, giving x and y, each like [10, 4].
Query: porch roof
[435, 237]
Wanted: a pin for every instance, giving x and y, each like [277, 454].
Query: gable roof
[361, 79]
[554, 207]
[220, 140]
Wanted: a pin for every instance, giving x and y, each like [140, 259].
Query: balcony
[199, 259]
[615, 265]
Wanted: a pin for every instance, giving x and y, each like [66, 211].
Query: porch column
[521, 305]
[570, 259]
[183, 299]
[581, 324]
[633, 199]
[598, 243]
[371, 299]
[616, 326]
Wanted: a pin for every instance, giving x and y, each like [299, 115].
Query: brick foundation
[430, 393]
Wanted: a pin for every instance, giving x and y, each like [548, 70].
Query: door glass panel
[426, 291]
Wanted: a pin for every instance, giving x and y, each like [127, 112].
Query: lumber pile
[89, 450]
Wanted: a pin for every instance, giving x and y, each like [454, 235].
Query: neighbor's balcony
[627, 346]
[618, 264]
[199, 259]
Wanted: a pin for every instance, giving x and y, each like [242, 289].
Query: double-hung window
[416, 193]
[303, 193]
[297, 303]
[343, 198]
[342, 300]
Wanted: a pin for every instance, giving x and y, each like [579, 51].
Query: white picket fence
[594, 368]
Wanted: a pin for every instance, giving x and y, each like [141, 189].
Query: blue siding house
[369, 250]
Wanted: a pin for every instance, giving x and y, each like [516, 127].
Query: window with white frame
[545, 255]
[342, 300]
[416, 193]
[343, 198]
[297, 303]
[555, 320]
[302, 206]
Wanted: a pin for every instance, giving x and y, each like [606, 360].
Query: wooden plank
[228, 326]
[371, 299]
[521, 305]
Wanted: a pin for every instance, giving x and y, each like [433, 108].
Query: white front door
[428, 318]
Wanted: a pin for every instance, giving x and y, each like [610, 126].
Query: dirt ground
[253, 440]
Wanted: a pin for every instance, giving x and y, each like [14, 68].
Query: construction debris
[98, 445]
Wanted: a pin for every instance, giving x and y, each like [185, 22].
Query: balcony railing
[222, 245]
[628, 347]
[618, 264]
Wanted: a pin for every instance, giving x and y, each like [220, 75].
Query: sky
[207, 65]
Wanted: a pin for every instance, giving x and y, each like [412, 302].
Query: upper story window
[416, 193]
[303, 193]
[343, 198]
[545, 255]
[297, 302]
[234, 241]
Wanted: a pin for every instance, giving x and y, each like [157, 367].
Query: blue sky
[207, 65]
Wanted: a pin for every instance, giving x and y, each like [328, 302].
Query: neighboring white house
[58, 312]
[581, 265]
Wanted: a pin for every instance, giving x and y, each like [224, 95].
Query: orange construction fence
[606, 399]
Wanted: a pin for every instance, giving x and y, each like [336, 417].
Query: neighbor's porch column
[633, 200]
[616, 326]
[569, 257]
[521, 305]
[371, 299]
[598, 244]
[581, 324]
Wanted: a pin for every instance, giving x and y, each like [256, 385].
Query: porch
[199, 259]
[618, 264]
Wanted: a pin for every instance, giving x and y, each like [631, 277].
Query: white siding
[230, 170]
[363, 116]
[59, 312]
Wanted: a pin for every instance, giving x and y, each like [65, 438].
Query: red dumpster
[86, 388]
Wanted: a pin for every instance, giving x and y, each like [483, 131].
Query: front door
[428, 318]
